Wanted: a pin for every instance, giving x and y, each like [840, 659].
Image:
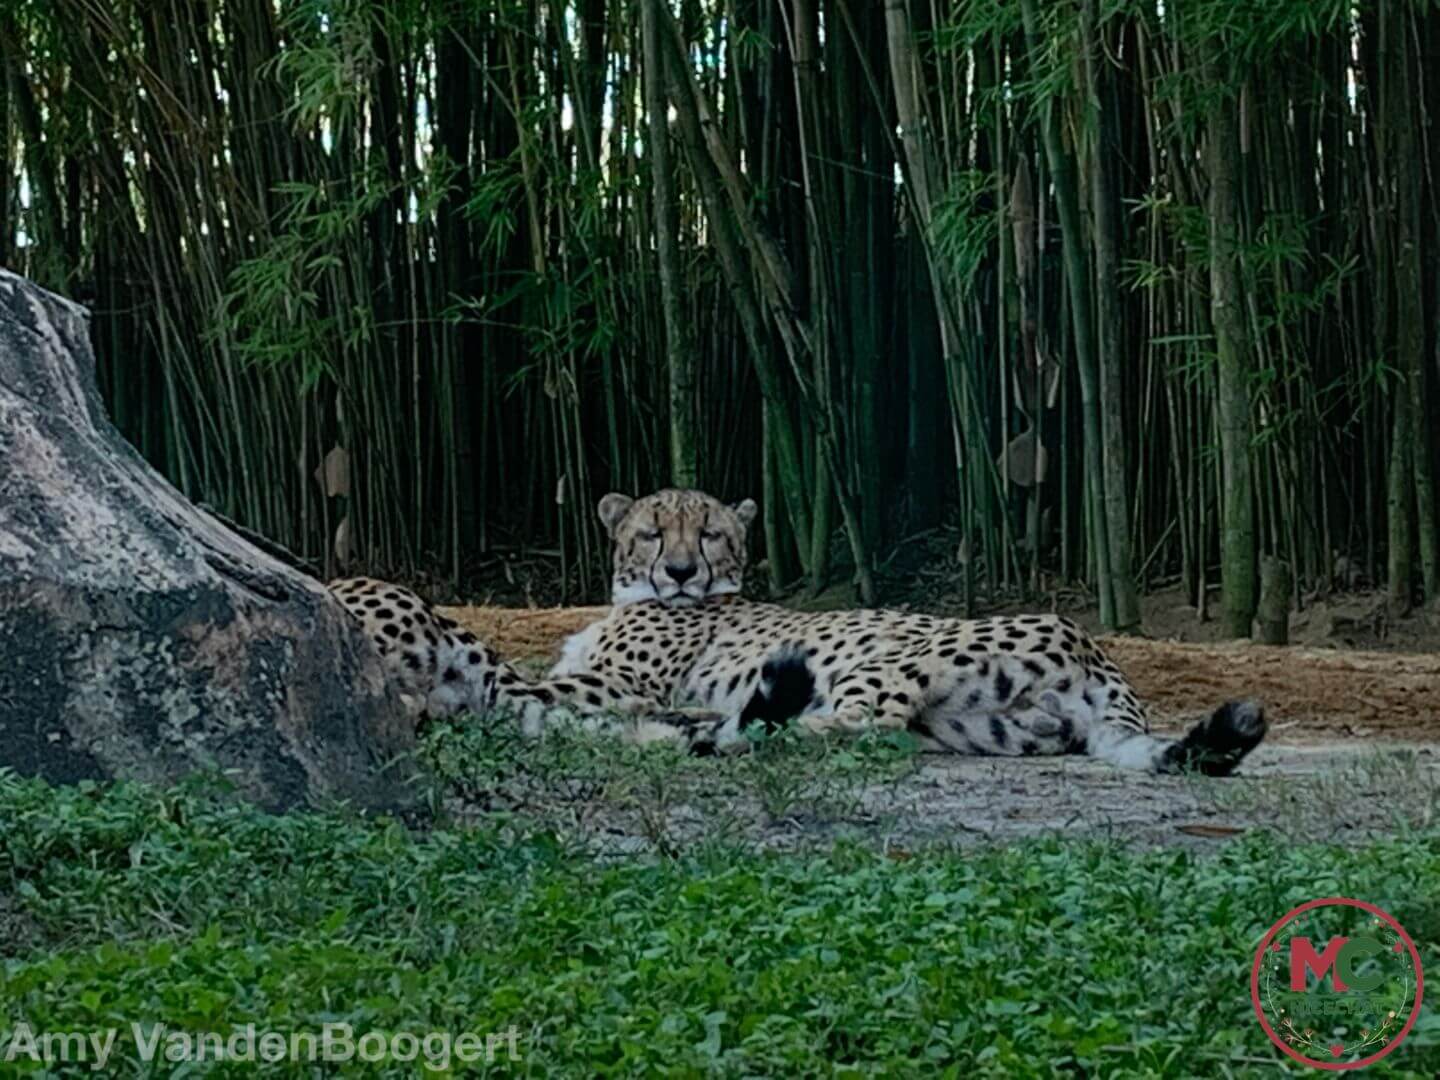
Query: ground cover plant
[1049, 956]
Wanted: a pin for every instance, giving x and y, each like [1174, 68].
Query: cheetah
[682, 657]
[418, 645]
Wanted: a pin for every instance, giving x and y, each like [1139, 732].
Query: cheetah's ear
[613, 508]
[746, 511]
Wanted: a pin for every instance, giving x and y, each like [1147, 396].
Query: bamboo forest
[1122, 292]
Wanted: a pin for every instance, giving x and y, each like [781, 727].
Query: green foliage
[1049, 957]
[328, 62]
[1251, 31]
[593, 781]
[277, 303]
[965, 226]
[422, 231]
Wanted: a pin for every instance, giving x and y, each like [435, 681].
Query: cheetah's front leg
[609, 704]
[474, 678]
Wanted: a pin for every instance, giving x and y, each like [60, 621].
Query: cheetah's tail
[786, 688]
[1215, 746]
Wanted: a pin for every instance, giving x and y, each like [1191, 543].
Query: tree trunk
[769, 266]
[919, 159]
[1227, 312]
[1077, 280]
[1109, 321]
[143, 640]
[1273, 615]
[678, 350]
[742, 291]
[1411, 481]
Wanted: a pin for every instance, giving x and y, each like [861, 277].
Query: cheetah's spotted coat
[681, 657]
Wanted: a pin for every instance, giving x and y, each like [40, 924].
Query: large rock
[140, 638]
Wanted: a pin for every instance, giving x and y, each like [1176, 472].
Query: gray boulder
[142, 639]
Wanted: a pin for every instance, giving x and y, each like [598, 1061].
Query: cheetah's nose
[680, 572]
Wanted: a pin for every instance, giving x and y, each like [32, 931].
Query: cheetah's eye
[709, 535]
[650, 534]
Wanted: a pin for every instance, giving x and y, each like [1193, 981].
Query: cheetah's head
[676, 546]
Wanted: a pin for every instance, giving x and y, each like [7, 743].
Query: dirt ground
[1354, 750]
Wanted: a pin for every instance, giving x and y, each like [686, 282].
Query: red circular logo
[1337, 983]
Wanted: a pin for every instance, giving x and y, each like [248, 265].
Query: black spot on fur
[997, 732]
[789, 685]
[1068, 739]
[967, 744]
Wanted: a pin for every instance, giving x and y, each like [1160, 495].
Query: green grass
[123, 903]
[589, 789]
